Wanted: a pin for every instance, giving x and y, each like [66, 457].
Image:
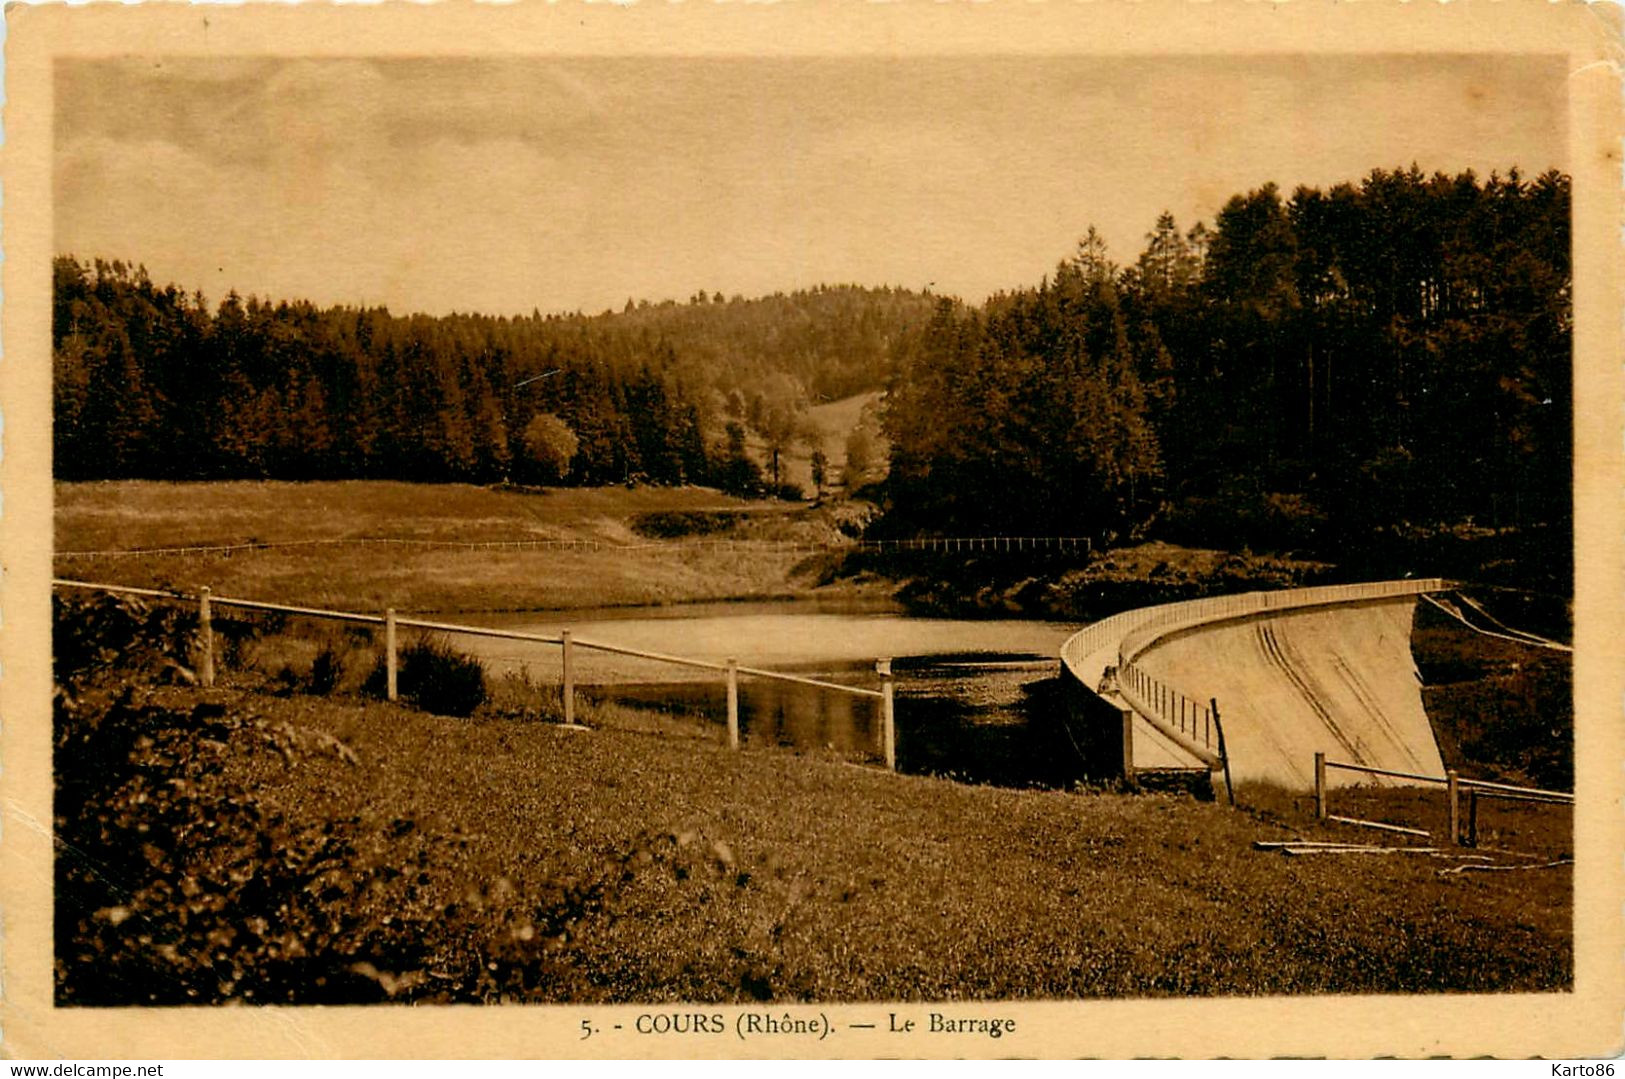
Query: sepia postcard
[846, 530]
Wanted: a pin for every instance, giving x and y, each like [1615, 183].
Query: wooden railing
[1453, 784]
[567, 642]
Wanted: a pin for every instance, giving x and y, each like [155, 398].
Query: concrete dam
[1293, 673]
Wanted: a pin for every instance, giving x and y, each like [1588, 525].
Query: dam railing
[566, 641]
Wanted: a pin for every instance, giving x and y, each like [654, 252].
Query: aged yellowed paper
[548, 162]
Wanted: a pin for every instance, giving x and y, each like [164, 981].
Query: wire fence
[566, 641]
[932, 544]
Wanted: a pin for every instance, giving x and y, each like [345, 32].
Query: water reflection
[965, 690]
[965, 717]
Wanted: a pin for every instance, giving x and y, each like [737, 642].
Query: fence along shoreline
[206, 601]
[1132, 639]
[940, 544]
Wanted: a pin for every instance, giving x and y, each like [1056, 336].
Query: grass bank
[414, 852]
[229, 844]
[646, 545]
[639, 558]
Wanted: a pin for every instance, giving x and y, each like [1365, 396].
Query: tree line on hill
[150, 381]
[1312, 366]
[1391, 351]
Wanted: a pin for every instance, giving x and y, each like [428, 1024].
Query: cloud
[507, 183]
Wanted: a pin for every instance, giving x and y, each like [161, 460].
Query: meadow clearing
[609, 546]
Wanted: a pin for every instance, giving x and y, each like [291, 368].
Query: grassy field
[141, 514]
[650, 555]
[146, 513]
[258, 842]
[362, 851]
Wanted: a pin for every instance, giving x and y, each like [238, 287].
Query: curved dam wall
[1334, 680]
[1294, 672]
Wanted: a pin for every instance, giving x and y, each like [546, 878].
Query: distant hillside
[836, 419]
[835, 341]
[151, 381]
[829, 427]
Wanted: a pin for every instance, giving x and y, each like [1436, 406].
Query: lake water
[964, 690]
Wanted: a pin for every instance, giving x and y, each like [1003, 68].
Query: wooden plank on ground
[1423, 832]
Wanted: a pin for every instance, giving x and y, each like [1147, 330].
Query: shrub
[549, 447]
[676, 524]
[98, 635]
[1268, 521]
[1496, 706]
[326, 670]
[436, 677]
[321, 676]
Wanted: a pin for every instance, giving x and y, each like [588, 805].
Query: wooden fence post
[1453, 793]
[733, 703]
[1472, 817]
[391, 669]
[1320, 786]
[567, 678]
[205, 633]
[888, 721]
[1224, 754]
[1128, 745]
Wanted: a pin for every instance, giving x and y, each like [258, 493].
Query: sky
[504, 185]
